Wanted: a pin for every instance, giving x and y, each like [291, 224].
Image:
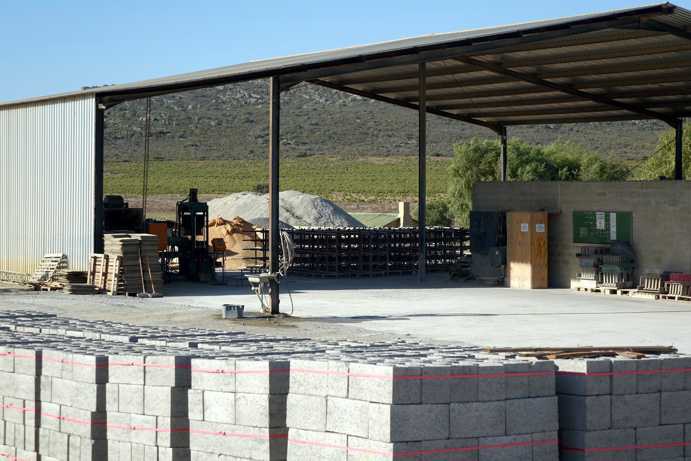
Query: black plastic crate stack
[362, 252]
[607, 267]
[589, 265]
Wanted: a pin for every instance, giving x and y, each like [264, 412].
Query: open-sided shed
[619, 65]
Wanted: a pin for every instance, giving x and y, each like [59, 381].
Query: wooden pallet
[645, 294]
[606, 290]
[45, 272]
[50, 288]
[675, 297]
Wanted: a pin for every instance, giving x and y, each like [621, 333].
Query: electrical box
[527, 249]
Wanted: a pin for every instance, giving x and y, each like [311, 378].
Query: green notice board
[602, 226]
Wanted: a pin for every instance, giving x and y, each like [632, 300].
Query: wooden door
[527, 249]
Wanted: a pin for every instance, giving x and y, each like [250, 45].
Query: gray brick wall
[661, 217]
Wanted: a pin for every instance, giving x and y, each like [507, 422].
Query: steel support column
[679, 150]
[98, 178]
[274, 151]
[422, 170]
[503, 154]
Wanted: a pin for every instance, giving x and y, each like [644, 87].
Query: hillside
[230, 122]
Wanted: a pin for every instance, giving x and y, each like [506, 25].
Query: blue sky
[54, 46]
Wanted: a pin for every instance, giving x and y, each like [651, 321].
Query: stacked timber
[139, 270]
[74, 282]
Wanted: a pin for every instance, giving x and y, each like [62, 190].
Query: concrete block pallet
[437, 407]
[78, 390]
[624, 409]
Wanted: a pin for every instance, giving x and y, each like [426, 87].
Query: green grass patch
[349, 180]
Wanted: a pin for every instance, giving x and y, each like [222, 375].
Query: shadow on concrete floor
[369, 318]
[298, 285]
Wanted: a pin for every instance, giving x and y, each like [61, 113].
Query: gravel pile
[297, 209]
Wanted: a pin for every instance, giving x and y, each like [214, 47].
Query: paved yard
[401, 307]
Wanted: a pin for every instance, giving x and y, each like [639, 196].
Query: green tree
[478, 160]
[661, 163]
[439, 214]
[473, 161]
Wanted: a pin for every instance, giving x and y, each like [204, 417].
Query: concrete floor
[438, 310]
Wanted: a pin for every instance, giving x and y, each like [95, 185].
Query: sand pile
[296, 209]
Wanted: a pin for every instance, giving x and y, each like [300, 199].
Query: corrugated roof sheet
[637, 57]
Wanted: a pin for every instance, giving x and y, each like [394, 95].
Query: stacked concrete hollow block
[238, 409]
[80, 390]
[429, 409]
[147, 405]
[73, 422]
[624, 409]
[20, 371]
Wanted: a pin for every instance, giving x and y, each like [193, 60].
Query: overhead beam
[571, 107]
[594, 71]
[491, 103]
[563, 120]
[377, 97]
[526, 88]
[422, 174]
[565, 89]
[657, 26]
[659, 46]
[446, 99]
[543, 111]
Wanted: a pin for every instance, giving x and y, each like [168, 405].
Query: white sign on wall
[612, 226]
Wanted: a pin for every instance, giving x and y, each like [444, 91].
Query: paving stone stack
[628, 410]
[432, 408]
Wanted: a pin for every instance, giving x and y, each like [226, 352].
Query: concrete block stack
[238, 409]
[20, 389]
[78, 390]
[147, 406]
[621, 409]
[436, 408]
[73, 422]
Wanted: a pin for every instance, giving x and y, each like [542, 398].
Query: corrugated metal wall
[47, 154]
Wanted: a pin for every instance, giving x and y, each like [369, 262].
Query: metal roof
[619, 65]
